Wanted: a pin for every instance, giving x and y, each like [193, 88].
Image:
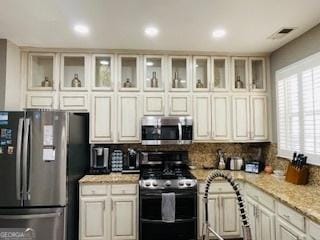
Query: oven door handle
[176, 220]
[158, 195]
[180, 131]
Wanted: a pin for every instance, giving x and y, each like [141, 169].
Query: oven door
[152, 226]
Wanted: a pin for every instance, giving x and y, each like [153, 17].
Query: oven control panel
[165, 184]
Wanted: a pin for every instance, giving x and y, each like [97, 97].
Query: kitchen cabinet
[74, 72]
[153, 104]
[179, 73]
[250, 118]
[202, 117]
[220, 74]
[179, 104]
[129, 114]
[45, 100]
[108, 211]
[285, 231]
[154, 73]
[257, 74]
[129, 72]
[313, 230]
[124, 217]
[102, 118]
[94, 220]
[103, 72]
[239, 74]
[201, 74]
[74, 101]
[221, 117]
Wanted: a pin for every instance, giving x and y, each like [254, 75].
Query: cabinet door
[257, 74]
[129, 72]
[128, 117]
[213, 213]
[153, 104]
[241, 119]
[229, 216]
[179, 73]
[201, 74]
[287, 232]
[221, 117]
[101, 118]
[239, 76]
[252, 215]
[259, 118]
[46, 100]
[124, 217]
[74, 101]
[179, 104]
[93, 218]
[202, 117]
[266, 224]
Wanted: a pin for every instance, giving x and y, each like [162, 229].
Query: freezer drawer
[33, 223]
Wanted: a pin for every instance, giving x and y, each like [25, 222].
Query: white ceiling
[183, 24]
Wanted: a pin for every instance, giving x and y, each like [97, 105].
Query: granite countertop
[304, 199]
[110, 178]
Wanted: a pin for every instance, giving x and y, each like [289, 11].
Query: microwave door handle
[25, 158]
[180, 131]
[18, 159]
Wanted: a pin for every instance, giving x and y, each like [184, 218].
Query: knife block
[298, 176]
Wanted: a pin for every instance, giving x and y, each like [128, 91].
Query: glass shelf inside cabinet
[42, 72]
[257, 77]
[153, 73]
[240, 74]
[74, 72]
[179, 73]
[201, 75]
[220, 73]
[129, 72]
[103, 72]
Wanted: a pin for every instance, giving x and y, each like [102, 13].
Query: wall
[3, 57]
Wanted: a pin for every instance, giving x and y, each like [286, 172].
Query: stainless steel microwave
[166, 130]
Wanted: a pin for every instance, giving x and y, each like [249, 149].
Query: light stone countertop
[304, 199]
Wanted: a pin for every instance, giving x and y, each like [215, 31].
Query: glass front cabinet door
[74, 72]
[103, 72]
[128, 72]
[257, 74]
[179, 73]
[201, 73]
[239, 74]
[220, 77]
[42, 71]
[153, 73]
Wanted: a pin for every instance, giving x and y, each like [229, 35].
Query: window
[298, 109]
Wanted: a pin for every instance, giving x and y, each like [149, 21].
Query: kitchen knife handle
[18, 159]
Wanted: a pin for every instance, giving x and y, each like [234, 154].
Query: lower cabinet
[286, 231]
[108, 212]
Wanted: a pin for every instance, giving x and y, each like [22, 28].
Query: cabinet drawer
[121, 189]
[73, 102]
[291, 216]
[93, 189]
[313, 230]
[40, 100]
[217, 187]
[261, 197]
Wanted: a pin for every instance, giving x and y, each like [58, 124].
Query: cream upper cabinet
[74, 72]
[259, 118]
[179, 104]
[154, 75]
[45, 100]
[103, 72]
[94, 219]
[43, 73]
[74, 101]
[220, 74]
[179, 74]
[202, 117]
[221, 117]
[257, 74]
[129, 72]
[124, 217]
[241, 118]
[129, 114]
[102, 120]
[201, 74]
[153, 104]
[285, 231]
[239, 74]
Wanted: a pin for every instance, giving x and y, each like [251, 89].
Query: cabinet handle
[286, 216]
[221, 203]
[104, 206]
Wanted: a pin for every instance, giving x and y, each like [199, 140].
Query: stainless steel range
[165, 181]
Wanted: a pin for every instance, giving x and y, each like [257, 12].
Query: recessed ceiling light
[150, 64]
[82, 29]
[104, 62]
[151, 31]
[219, 33]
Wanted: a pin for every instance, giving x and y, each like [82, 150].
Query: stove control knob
[155, 184]
[168, 183]
[188, 184]
[147, 184]
[181, 184]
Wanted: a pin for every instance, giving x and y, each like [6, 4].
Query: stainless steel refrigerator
[43, 154]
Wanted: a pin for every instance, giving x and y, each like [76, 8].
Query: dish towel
[168, 207]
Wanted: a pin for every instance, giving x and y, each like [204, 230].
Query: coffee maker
[99, 162]
[131, 162]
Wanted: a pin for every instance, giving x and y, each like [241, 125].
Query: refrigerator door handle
[25, 159]
[30, 216]
[18, 159]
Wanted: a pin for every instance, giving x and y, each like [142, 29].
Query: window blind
[298, 109]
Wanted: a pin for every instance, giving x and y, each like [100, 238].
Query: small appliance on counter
[117, 161]
[235, 163]
[99, 161]
[131, 162]
[253, 167]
